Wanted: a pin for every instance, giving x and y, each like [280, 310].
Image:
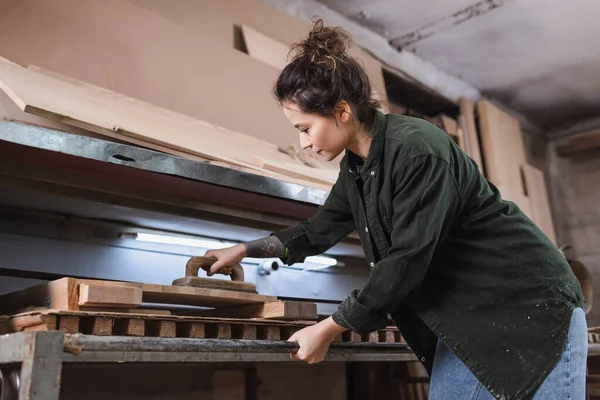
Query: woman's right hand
[225, 259]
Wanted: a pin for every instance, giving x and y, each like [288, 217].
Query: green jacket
[449, 258]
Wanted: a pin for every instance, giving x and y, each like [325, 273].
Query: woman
[486, 301]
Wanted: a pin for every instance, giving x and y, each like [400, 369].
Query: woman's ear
[343, 111]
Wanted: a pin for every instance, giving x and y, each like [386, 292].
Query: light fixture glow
[320, 262]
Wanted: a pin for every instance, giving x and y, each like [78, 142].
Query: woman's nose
[305, 142]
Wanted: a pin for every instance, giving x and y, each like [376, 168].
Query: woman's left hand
[314, 341]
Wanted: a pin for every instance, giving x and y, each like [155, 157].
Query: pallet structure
[108, 308]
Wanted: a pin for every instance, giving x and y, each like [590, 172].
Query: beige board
[106, 112]
[504, 152]
[541, 213]
[471, 138]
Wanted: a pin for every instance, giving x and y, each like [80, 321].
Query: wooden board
[109, 296]
[504, 153]
[541, 213]
[106, 323]
[282, 310]
[265, 48]
[211, 283]
[105, 112]
[584, 142]
[63, 294]
[297, 171]
[472, 147]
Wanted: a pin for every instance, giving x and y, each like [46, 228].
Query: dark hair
[321, 73]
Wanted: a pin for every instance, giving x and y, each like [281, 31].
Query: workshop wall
[178, 55]
[576, 202]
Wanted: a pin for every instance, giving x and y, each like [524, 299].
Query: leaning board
[115, 115]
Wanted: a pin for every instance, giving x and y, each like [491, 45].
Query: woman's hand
[225, 259]
[314, 340]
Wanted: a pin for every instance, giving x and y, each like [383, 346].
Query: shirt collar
[379, 128]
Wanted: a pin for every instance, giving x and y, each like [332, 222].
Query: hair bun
[323, 46]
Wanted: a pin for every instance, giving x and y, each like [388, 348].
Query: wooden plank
[504, 153]
[229, 385]
[387, 336]
[286, 310]
[351, 336]
[130, 327]
[60, 294]
[584, 142]
[212, 283]
[68, 323]
[265, 48]
[109, 296]
[161, 328]
[451, 127]
[125, 310]
[218, 331]
[195, 330]
[541, 214]
[467, 110]
[297, 171]
[21, 323]
[244, 332]
[268, 333]
[101, 111]
[198, 296]
[96, 326]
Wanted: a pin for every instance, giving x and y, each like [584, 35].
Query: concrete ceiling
[540, 58]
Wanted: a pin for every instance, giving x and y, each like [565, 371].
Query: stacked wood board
[507, 168]
[50, 95]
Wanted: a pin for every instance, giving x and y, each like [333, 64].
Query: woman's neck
[361, 143]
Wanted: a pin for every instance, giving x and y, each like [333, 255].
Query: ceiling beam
[456, 18]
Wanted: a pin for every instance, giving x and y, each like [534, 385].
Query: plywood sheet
[471, 146]
[504, 152]
[265, 48]
[103, 111]
[298, 171]
[541, 213]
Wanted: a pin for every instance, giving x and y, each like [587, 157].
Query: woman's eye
[304, 130]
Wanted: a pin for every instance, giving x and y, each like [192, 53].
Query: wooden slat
[130, 327]
[218, 331]
[467, 110]
[96, 325]
[195, 330]
[268, 333]
[20, 323]
[245, 332]
[109, 296]
[541, 213]
[68, 323]
[387, 336]
[161, 328]
[285, 310]
[351, 336]
[127, 310]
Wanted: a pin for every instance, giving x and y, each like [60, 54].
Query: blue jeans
[451, 379]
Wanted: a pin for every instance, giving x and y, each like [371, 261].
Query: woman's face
[327, 137]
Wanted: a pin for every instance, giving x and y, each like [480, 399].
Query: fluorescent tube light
[209, 244]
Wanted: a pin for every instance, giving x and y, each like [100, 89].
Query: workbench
[39, 356]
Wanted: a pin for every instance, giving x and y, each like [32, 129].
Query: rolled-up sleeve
[332, 222]
[426, 200]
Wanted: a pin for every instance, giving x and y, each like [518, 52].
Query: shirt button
[371, 264]
[366, 229]
[372, 172]
[422, 359]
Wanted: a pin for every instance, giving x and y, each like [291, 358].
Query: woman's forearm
[268, 247]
